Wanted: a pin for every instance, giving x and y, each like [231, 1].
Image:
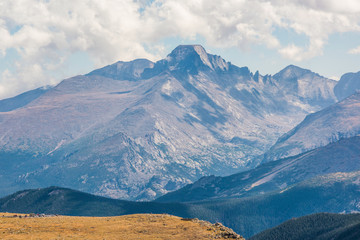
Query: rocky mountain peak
[124, 70]
[182, 52]
[194, 57]
[315, 89]
[292, 72]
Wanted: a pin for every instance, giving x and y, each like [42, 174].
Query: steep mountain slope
[316, 226]
[336, 193]
[341, 156]
[340, 120]
[137, 130]
[349, 83]
[9, 104]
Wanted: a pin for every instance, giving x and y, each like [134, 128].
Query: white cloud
[292, 52]
[316, 19]
[51, 31]
[343, 6]
[355, 50]
[46, 33]
[336, 78]
[221, 23]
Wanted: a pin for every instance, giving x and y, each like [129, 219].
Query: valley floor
[137, 226]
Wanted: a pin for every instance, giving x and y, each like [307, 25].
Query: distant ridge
[9, 104]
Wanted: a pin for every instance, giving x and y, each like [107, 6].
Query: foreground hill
[341, 156]
[137, 130]
[140, 226]
[338, 192]
[322, 226]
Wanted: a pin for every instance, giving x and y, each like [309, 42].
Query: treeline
[321, 226]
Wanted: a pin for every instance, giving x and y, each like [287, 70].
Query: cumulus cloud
[336, 6]
[355, 50]
[46, 33]
[316, 19]
[221, 23]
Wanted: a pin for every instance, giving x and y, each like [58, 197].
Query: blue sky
[43, 42]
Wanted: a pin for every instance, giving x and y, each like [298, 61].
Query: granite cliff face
[137, 130]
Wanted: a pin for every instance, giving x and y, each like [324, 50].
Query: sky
[45, 41]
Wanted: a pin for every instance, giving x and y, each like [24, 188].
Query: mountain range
[138, 130]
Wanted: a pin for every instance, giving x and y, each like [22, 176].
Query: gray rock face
[136, 130]
[309, 86]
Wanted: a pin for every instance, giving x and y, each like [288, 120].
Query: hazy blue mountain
[130, 71]
[339, 192]
[320, 226]
[312, 88]
[341, 156]
[340, 120]
[9, 104]
[137, 130]
[349, 83]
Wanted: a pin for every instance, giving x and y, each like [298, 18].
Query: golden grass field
[137, 226]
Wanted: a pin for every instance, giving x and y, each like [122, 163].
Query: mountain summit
[311, 87]
[124, 70]
[137, 130]
[195, 56]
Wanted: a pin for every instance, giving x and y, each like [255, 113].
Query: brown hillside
[138, 226]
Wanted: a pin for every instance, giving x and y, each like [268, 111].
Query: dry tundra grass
[137, 226]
